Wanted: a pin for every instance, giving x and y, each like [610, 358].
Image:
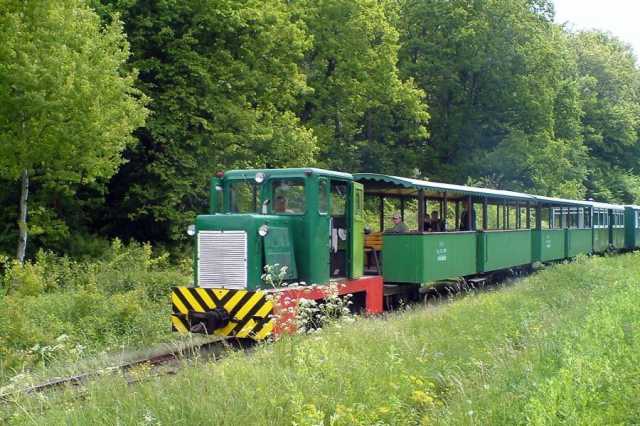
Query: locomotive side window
[288, 196]
[244, 196]
[338, 199]
[323, 196]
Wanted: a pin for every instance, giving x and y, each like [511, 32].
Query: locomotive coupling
[207, 322]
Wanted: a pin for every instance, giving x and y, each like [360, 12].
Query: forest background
[119, 111]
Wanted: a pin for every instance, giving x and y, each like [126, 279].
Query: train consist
[312, 223]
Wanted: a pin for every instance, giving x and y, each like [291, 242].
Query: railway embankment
[560, 346]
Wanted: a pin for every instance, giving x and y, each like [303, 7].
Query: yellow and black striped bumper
[249, 311]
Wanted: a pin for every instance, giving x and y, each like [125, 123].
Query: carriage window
[587, 218]
[557, 218]
[244, 196]
[288, 196]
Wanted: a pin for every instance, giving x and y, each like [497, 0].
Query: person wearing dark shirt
[434, 224]
[464, 219]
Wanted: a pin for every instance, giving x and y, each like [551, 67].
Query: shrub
[100, 304]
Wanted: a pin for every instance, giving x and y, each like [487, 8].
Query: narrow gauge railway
[312, 221]
[167, 356]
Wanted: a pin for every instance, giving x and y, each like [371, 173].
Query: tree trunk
[22, 220]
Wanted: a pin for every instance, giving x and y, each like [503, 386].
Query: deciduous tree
[500, 83]
[67, 104]
[364, 115]
[225, 82]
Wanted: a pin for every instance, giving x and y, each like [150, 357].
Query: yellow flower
[421, 397]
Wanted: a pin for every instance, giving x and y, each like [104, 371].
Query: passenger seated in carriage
[434, 224]
[399, 227]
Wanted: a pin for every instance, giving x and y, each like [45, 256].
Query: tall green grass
[59, 310]
[559, 347]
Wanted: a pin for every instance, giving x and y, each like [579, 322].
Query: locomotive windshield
[244, 196]
[288, 196]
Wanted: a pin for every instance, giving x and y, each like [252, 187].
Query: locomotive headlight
[191, 230]
[259, 177]
[263, 230]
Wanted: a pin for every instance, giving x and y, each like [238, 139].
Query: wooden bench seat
[373, 244]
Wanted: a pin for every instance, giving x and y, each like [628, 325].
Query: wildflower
[422, 398]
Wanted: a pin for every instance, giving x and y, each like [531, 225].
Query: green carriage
[505, 229]
[631, 227]
[608, 227]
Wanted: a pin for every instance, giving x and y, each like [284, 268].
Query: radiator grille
[222, 259]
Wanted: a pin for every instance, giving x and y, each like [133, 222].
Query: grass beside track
[562, 346]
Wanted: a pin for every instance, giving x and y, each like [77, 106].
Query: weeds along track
[170, 359]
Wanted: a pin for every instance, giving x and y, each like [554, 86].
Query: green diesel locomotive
[311, 223]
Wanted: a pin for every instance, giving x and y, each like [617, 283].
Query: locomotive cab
[307, 220]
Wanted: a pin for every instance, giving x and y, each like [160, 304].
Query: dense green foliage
[560, 347]
[67, 106]
[501, 86]
[359, 108]
[485, 92]
[224, 79]
[56, 308]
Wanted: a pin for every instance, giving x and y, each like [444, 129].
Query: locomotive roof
[293, 172]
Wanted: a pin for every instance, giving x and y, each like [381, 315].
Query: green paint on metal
[356, 219]
[423, 258]
[250, 224]
[278, 249]
[549, 244]
[308, 232]
[215, 199]
[600, 239]
[617, 237]
[578, 241]
[630, 231]
[503, 249]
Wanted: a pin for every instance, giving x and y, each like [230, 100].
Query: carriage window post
[445, 211]
[421, 209]
[381, 205]
[469, 212]
[484, 214]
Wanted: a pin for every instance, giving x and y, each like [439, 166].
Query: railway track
[211, 348]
